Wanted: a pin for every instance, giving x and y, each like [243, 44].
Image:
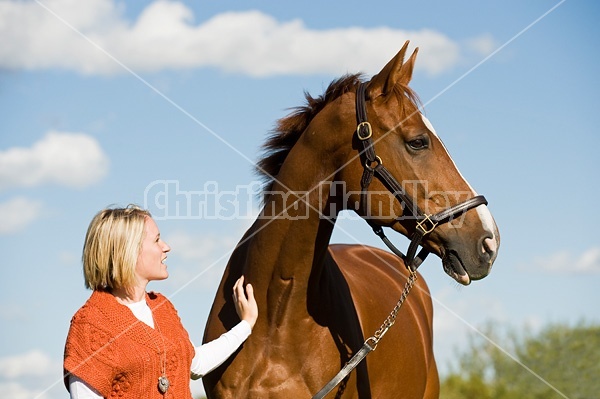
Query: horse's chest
[292, 366]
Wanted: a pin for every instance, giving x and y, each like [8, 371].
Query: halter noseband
[373, 166]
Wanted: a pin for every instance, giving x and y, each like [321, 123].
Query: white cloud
[207, 247]
[13, 313]
[34, 363]
[201, 257]
[484, 44]
[32, 374]
[69, 159]
[567, 262]
[164, 36]
[201, 247]
[18, 213]
[14, 390]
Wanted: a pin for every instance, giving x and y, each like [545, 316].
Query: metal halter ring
[377, 162]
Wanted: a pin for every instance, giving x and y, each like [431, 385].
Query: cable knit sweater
[122, 357]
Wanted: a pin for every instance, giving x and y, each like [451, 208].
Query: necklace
[163, 381]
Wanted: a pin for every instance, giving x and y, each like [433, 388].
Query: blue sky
[102, 101]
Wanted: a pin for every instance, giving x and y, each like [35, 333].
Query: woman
[128, 343]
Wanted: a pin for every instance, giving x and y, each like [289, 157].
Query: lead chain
[391, 319]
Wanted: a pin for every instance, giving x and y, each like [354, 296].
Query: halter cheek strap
[373, 166]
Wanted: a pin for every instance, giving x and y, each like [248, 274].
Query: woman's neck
[129, 295]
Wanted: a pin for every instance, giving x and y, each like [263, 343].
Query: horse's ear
[396, 71]
[406, 70]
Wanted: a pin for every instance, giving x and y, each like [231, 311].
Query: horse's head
[395, 170]
[401, 143]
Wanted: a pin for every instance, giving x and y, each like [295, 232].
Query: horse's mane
[289, 128]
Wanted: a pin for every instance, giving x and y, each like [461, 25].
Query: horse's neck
[292, 218]
[289, 240]
[287, 244]
[279, 259]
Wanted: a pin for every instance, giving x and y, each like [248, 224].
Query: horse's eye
[418, 144]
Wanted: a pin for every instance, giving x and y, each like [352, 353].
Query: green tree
[560, 361]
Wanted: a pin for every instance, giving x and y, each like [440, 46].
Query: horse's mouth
[454, 268]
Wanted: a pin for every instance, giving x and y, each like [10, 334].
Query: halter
[373, 166]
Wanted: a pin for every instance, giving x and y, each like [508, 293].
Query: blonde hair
[112, 244]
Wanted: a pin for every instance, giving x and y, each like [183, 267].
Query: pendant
[163, 384]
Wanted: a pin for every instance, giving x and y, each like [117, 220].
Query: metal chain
[391, 319]
[371, 343]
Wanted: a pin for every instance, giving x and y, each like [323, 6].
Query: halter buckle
[369, 131]
[424, 229]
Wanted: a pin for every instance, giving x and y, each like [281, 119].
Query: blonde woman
[129, 343]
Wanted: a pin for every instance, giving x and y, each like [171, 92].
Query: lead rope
[371, 343]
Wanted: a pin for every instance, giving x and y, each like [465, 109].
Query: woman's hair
[112, 244]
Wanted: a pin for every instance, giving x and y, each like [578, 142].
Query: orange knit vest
[121, 357]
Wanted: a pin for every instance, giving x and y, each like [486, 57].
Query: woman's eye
[418, 144]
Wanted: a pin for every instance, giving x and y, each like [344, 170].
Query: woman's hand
[245, 306]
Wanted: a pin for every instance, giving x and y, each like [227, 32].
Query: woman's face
[150, 263]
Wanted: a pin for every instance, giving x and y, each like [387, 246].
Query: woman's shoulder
[94, 308]
[154, 299]
[161, 305]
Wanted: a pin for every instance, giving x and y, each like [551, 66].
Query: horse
[317, 301]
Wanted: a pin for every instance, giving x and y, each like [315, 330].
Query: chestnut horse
[317, 302]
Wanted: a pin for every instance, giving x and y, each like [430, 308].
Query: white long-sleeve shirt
[207, 357]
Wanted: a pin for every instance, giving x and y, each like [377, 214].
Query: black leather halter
[373, 166]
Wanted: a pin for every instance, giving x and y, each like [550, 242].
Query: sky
[108, 102]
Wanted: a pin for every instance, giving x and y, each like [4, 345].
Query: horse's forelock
[404, 90]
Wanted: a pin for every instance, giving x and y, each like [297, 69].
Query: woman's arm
[212, 354]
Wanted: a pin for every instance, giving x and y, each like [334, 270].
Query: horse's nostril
[489, 247]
